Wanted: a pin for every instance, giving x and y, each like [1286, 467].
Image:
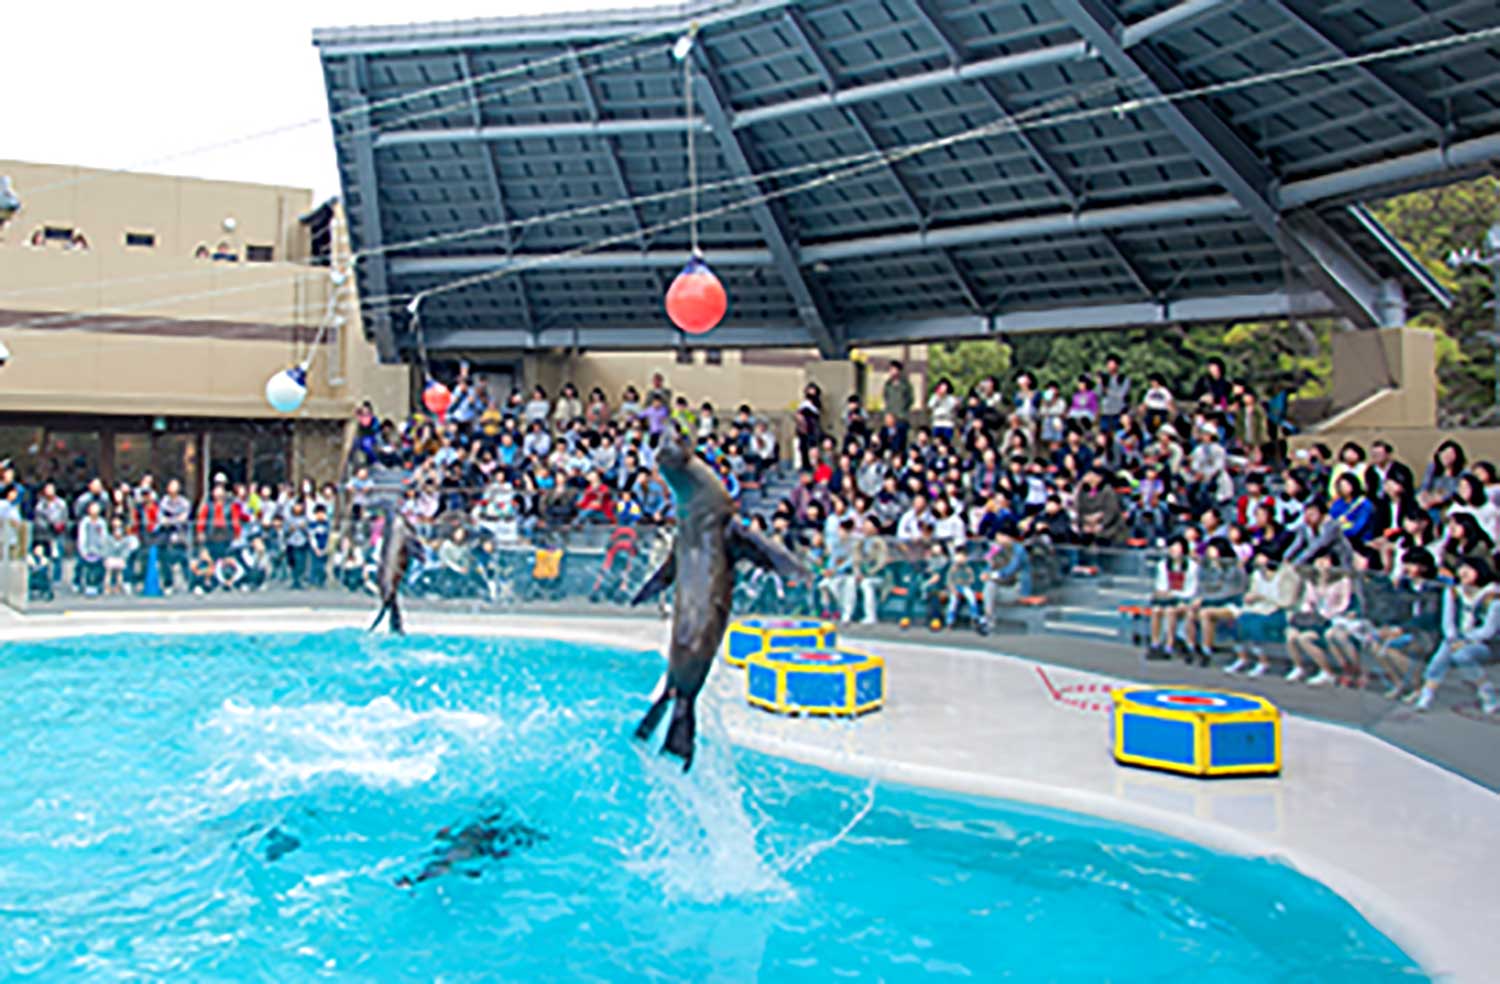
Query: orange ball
[696, 301]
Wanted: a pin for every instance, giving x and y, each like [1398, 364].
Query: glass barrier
[1359, 647]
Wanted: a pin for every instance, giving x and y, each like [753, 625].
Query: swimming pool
[243, 806]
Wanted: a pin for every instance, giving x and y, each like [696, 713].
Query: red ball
[696, 301]
[436, 398]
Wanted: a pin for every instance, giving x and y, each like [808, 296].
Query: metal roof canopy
[1240, 205]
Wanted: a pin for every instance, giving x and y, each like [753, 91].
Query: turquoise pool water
[241, 807]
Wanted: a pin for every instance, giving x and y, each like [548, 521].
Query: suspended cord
[433, 90]
[1020, 121]
[887, 155]
[684, 50]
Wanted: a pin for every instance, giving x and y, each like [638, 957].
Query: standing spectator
[93, 545]
[219, 521]
[569, 408]
[809, 423]
[318, 534]
[942, 408]
[297, 544]
[1053, 408]
[597, 414]
[659, 390]
[897, 395]
[1083, 410]
[50, 521]
[1158, 407]
[871, 556]
[1252, 430]
[538, 409]
[1114, 395]
[1212, 387]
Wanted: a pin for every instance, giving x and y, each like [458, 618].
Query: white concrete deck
[1412, 846]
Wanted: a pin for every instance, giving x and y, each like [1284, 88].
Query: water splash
[380, 743]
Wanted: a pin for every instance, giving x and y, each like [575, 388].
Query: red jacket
[227, 515]
[597, 497]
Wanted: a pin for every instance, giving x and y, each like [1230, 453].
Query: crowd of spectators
[1349, 563]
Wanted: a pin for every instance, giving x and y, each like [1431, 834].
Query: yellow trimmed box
[1196, 732]
[757, 634]
[825, 681]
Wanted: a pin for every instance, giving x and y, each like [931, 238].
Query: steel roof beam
[610, 335]
[611, 154]
[497, 191]
[773, 228]
[371, 260]
[1333, 266]
[953, 46]
[1233, 307]
[986, 68]
[537, 131]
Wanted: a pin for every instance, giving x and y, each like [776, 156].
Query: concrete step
[1081, 629]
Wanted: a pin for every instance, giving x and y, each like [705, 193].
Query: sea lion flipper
[746, 544]
[656, 583]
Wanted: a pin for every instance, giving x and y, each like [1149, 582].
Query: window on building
[57, 234]
[713, 357]
[145, 240]
[260, 254]
[684, 357]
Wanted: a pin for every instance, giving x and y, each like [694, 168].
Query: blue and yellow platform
[818, 681]
[1196, 732]
[748, 636]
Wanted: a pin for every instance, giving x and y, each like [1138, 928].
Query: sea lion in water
[710, 541]
[481, 839]
[398, 544]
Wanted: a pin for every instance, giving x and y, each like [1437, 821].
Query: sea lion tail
[396, 625]
[653, 716]
[378, 616]
[681, 731]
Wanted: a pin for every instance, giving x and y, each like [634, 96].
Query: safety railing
[1352, 643]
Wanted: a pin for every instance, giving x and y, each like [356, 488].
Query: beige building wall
[1385, 388]
[117, 329]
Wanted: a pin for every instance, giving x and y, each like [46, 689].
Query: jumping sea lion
[710, 541]
[398, 544]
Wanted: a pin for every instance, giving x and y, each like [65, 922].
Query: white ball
[4, 354]
[285, 391]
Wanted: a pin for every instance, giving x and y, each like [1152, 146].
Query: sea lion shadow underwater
[710, 541]
[484, 839]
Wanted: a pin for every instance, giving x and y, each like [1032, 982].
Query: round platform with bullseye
[1196, 732]
[1201, 701]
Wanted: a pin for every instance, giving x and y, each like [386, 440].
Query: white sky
[104, 83]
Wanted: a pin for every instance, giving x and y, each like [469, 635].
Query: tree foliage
[1280, 356]
[966, 363]
[1431, 224]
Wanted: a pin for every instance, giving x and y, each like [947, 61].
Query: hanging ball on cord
[436, 398]
[286, 390]
[696, 301]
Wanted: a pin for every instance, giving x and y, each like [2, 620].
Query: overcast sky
[131, 85]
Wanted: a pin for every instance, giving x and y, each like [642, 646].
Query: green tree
[1431, 224]
[966, 363]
